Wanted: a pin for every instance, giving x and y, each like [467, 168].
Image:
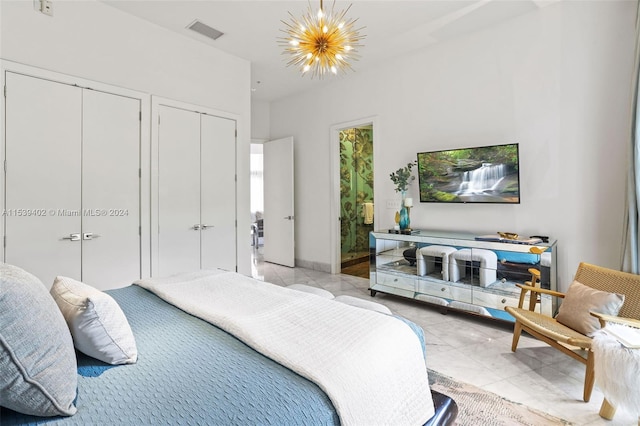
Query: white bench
[488, 265]
[426, 262]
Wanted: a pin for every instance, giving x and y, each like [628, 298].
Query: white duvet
[370, 365]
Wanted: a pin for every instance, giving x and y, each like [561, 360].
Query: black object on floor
[446, 410]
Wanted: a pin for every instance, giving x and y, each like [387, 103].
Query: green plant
[403, 177]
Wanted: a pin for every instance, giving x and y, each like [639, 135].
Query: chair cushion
[38, 370]
[98, 326]
[580, 300]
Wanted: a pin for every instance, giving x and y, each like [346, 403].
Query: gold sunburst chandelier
[321, 43]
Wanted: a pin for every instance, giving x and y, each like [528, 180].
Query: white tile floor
[475, 351]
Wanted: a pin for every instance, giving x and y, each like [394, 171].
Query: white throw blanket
[369, 364]
[617, 369]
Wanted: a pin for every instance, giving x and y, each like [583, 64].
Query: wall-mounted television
[485, 174]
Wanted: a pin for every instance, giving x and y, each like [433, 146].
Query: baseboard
[316, 266]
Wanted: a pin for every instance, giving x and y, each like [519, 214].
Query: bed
[188, 371]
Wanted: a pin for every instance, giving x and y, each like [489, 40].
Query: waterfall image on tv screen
[487, 174]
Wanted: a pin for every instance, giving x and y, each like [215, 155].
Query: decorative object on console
[513, 238]
[402, 178]
[544, 238]
[404, 214]
[408, 203]
[397, 220]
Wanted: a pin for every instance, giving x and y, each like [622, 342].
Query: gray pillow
[38, 369]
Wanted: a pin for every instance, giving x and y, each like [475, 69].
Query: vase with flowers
[402, 178]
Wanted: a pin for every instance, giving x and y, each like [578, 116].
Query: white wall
[556, 80]
[92, 40]
[259, 120]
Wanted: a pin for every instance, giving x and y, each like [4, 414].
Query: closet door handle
[289, 217]
[72, 237]
[206, 226]
[196, 227]
[90, 236]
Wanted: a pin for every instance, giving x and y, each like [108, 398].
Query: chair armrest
[526, 288]
[603, 318]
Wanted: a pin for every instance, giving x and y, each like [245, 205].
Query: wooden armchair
[563, 338]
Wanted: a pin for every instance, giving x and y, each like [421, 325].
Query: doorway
[356, 199]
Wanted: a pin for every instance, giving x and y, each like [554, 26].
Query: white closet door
[43, 177]
[178, 191]
[218, 192]
[110, 190]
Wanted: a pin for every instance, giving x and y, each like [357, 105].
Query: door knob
[72, 237]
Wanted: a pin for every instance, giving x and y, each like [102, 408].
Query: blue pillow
[38, 370]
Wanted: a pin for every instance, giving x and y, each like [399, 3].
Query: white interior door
[218, 193]
[178, 191]
[43, 177]
[110, 190]
[279, 223]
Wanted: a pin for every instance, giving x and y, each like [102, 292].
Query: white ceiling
[392, 27]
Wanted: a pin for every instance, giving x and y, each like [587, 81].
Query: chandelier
[321, 43]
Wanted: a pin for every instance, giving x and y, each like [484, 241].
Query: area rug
[479, 407]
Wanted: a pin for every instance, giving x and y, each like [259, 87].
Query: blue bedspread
[188, 372]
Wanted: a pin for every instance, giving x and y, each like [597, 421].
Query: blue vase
[404, 214]
[404, 218]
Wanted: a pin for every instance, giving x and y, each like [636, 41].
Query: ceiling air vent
[205, 30]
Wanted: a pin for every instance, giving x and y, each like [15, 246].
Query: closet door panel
[178, 191]
[43, 177]
[218, 192]
[110, 190]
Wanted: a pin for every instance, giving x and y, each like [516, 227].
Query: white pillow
[313, 290]
[98, 326]
[365, 304]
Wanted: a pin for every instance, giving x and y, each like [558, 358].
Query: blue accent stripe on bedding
[188, 372]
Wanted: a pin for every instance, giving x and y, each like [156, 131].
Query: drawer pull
[504, 300]
[443, 289]
[395, 280]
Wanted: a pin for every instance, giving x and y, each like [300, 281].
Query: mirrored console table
[458, 271]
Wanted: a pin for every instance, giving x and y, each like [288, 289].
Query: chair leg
[607, 411]
[589, 377]
[517, 330]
